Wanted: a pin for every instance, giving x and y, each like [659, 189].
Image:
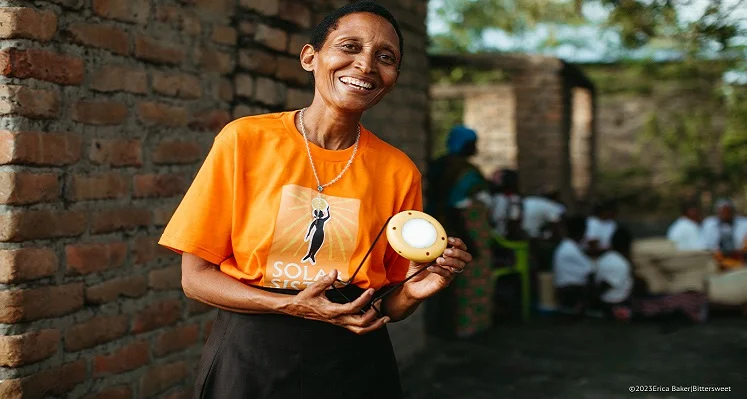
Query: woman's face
[357, 65]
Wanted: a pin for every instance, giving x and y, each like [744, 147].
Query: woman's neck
[329, 128]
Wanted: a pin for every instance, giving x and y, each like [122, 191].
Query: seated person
[572, 269]
[507, 212]
[685, 231]
[600, 227]
[539, 212]
[614, 276]
[726, 235]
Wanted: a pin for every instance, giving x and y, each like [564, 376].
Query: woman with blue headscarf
[455, 196]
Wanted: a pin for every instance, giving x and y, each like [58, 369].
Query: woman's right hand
[312, 303]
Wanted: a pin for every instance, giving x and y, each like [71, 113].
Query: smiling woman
[285, 208]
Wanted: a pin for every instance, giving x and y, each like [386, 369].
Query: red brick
[162, 215]
[116, 152]
[49, 149]
[177, 84]
[157, 315]
[102, 36]
[109, 291]
[21, 188]
[98, 186]
[24, 264]
[221, 8]
[100, 112]
[125, 359]
[147, 250]
[265, 7]
[225, 90]
[212, 120]
[149, 49]
[176, 152]
[118, 392]
[169, 278]
[113, 78]
[75, 4]
[214, 61]
[244, 85]
[95, 331]
[35, 225]
[107, 221]
[176, 340]
[196, 307]
[179, 18]
[296, 12]
[159, 185]
[40, 303]
[27, 23]
[42, 65]
[19, 350]
[296, 99]
[273, 38]
[289, 69]
[208, 329]
[92, 258]
[136, 11]
[151, 113]
[161, 377]
[259, 61]
[31, 103]
[297, 42]
[224, 35]
[51, 382]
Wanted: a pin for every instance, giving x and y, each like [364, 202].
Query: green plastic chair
[521, 267]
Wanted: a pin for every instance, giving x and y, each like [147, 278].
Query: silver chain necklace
[319, 185]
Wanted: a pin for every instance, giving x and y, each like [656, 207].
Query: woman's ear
[308, 56]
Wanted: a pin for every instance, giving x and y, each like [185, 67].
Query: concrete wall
[107, 108]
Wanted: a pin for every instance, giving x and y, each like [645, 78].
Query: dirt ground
[550, 358]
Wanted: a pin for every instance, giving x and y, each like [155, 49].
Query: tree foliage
[664, 24]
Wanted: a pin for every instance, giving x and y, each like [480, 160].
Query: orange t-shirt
[253, 207]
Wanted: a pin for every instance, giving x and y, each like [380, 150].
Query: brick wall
[492, 113]
[107, 108]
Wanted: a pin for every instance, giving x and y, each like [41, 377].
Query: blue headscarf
[459, 137]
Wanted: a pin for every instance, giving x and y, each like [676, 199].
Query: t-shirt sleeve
[396, 265]
[201, 224]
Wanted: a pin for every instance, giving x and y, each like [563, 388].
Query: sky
[604, 47]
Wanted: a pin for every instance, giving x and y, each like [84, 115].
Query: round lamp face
[419, 233]
[416, 236]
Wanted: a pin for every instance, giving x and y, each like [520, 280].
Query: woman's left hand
[438, 276]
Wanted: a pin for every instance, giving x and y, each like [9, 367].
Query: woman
[281, 330]
[457, 196]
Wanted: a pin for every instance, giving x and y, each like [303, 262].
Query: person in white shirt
[614, 276]
[685, 232]
[726, 233]
[600, 227]
[539, 212]
[572, 269]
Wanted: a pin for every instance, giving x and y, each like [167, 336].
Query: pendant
[320, 188]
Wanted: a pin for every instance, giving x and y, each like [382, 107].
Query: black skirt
[278, 357]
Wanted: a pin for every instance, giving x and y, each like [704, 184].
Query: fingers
[355, 306]
[321, 285]
[457, 242]
[448, 275]
[373, 327]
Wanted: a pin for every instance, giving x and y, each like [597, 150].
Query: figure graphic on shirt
[317, 238]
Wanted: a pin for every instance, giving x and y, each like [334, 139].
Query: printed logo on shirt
[314, 234]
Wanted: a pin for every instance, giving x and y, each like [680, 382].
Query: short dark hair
[321, 32]
[575, 227]
[622, 240]
[686, 205]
